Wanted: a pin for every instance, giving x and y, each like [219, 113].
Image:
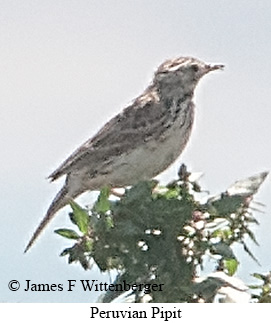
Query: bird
[138, 143]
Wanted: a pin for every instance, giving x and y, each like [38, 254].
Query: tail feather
[59, 201]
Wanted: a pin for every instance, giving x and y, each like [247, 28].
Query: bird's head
[182, 73]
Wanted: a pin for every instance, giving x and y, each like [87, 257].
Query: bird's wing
[133, 126]
[86, 147]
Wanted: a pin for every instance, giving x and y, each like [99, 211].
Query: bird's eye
[195, 67]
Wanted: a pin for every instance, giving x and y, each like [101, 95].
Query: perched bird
[138, 143]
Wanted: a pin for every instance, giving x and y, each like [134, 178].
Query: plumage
[138, 143]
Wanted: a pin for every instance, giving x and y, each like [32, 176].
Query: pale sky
[67, 67]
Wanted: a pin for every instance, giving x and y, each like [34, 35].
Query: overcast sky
[67, 67]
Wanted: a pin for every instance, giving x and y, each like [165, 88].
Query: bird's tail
[59, 201]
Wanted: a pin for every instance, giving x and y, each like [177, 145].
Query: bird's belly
[150, 160]
[146, 161]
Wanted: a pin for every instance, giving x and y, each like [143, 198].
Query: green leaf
[81, 218]
[259, 276]
[222, 249]
[252, 236]
[172, 193]
[254, 286]
[222, 233]
[250, 253]
[103, 204]
[65, 252]
[227, 204]
[67, 233]
[207, 289]
[109, 222]
[88, 245]
[231, 265]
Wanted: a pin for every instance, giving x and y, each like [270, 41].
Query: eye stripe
[175, 67]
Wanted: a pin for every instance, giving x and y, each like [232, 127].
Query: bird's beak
[214, 67]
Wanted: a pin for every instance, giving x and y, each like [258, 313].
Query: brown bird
[138, 143]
